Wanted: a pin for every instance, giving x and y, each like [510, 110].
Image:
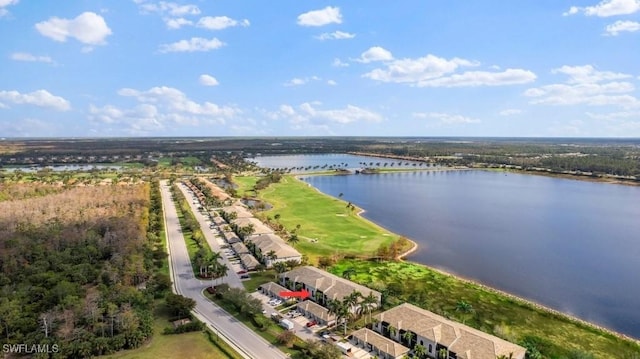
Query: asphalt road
[245, 341]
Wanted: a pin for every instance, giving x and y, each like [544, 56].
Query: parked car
[311, 323]
[242, 271]
[245, 276]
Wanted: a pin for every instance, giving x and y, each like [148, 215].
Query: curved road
[244, 340]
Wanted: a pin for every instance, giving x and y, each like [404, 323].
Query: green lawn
[195, 345]
[259, 278]
[493, 312]
[245, 185]
[337, 229]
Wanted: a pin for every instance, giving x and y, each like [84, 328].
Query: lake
[570, 245]
[306, 163]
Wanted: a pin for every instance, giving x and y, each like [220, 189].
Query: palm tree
[280, 268]
[352, 300]
[271, 255]
[220, 270]
[465, 308]
[408, 336]
[442, 353]
[367, 304]
[392, 331]
[347, 273]
[420, 350]
[293, 239]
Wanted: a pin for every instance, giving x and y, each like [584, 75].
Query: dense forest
[77, 267]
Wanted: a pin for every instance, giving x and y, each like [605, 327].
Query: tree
[392, 331]
[465, 308]
[286, 338]
[347, 273]
[280, 268]
[367, 304]
[293, 239]
[420, 351]
[442, 353]
[271, 255]
[179, 304]
[408, 337]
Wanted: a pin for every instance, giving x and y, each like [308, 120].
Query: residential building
[264, 244]
[324, 286]
[436, 333]
[316, 312]
[373, 342]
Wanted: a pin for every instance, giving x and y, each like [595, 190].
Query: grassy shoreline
[578, 331]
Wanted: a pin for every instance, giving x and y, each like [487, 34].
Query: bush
[194, 326]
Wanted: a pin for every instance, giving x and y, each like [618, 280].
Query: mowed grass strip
[327, 226]
[493, 312]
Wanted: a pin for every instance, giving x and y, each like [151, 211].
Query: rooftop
[386, 345]
[334, 287]
[466, 342]
[271, 242]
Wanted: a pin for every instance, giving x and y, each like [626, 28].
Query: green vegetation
[328, 227]
[553, 334]
[245, 185]
[195, 345]
[77, 269]
[259, 278]
[248, 310]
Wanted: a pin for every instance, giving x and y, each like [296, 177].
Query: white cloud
[308, 116]
[445, 118]
[339, 63]
[298, 81]
[328, 15]
[586, 86]
[481, 78]
[160, 108]
[622, 26]
[434, 71]
[220, 22]
[336, 35]
[607, 8]
[588, 74]
[168, 8]
[4, 4]
[88, 28]
[331, 83]
[192, 45]
[23, 56]
[510, 112]
[208, 80]
[40, 98]
[176, 23]
[375, 53]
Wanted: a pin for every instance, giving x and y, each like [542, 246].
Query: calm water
[571, 245]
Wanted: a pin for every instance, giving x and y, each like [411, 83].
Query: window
[430, 347]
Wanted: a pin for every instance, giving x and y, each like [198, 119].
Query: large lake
[568, 244]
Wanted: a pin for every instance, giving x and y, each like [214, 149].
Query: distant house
[316, 312]
[264, 244]
[258, 227]
[323, 285]
[239, 211]
[273, 290]
[248, 261]
[436, 333]
[373, 342]
[231, 237]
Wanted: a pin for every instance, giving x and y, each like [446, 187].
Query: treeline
[77, 269]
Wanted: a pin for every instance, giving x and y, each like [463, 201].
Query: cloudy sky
[97, 68]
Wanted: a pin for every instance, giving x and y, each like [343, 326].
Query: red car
[242, 272]
[311, 323]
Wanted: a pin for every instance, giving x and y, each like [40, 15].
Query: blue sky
[89, 68]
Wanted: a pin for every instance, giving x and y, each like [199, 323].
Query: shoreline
[609, 179]
[528, 302]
